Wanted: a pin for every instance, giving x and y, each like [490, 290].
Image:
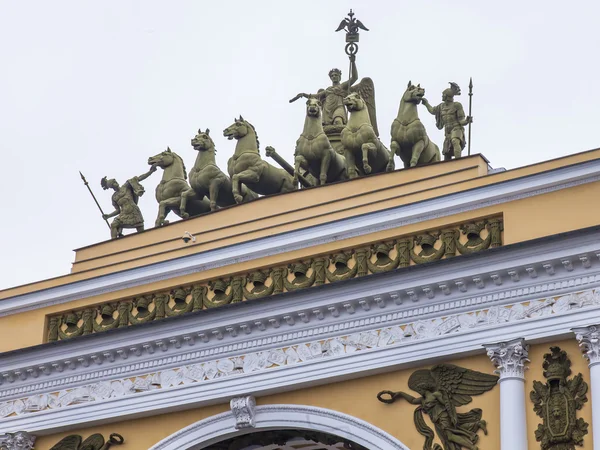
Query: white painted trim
[493, 194]
[221, 427]
[287, 378]
[144, 349]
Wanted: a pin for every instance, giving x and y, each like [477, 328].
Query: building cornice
[473, 199]
[499, 277]
[535, 291]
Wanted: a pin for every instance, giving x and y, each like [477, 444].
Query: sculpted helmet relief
[339, 141]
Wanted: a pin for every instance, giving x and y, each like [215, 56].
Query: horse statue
[247, 167]
[170, 189]
[314, 152]
[409, 138]
[360, 136]
[206, 179]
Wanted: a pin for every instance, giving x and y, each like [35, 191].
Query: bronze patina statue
[332, 98]
[409, 138]
[557, 401]
[442, 389]
[247, 167]
[125, 201]
[360, 136]
[173, 184]
[450, 116]
[94, 442]
[206, 179]
[314, 151]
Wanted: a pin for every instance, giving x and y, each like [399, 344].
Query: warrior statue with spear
[450, 116]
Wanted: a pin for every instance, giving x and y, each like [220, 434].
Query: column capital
[509, 358]
[589, 342]
[21, 440]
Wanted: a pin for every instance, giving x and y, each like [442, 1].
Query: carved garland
[342, 265]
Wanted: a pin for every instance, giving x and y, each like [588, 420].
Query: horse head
[203, 142]
[354, 102]
[166, 159]
[413, 94]
[239, 129]
[313, 107]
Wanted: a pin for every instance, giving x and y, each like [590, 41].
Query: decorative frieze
[338, 266]
[294, 354]
[509, 358]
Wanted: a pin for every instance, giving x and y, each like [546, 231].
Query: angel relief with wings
[442, 389]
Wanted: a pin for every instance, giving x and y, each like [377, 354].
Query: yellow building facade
[275, 324]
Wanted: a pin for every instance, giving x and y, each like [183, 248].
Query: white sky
[101, 86]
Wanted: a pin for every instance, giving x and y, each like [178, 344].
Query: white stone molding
[221, 427]
[144, 369]
[473, 199]
[589, 342]
[21, 440]
[244, 411]
[341, 306]
[83, 409]
[510, 358]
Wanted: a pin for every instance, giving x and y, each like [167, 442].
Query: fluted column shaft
[510, 358]
[589, 342]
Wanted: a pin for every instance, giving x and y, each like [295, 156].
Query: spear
[470, 105]
[87, 185]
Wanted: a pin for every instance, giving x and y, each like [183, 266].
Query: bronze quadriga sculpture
[247, 167]
[409, 138]
[207, 180]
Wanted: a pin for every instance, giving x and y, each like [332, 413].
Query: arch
[222, 426]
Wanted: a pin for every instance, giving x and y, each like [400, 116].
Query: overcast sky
[101, 86]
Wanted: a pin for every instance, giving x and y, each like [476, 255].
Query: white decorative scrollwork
[509, 358]
[21, 440]
[589, 342]
[244, 411]
[340, 346]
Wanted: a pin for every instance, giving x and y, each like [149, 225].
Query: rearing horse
[314, 151]
[360, 140]
[172, 185]
[247, 167]
[206, 179]
[409, 138]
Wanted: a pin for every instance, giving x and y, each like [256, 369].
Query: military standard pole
[470, 106]
[94, 197]
[351, 26]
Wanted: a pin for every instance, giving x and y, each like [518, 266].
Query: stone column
[589, 341]
[510, 358]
